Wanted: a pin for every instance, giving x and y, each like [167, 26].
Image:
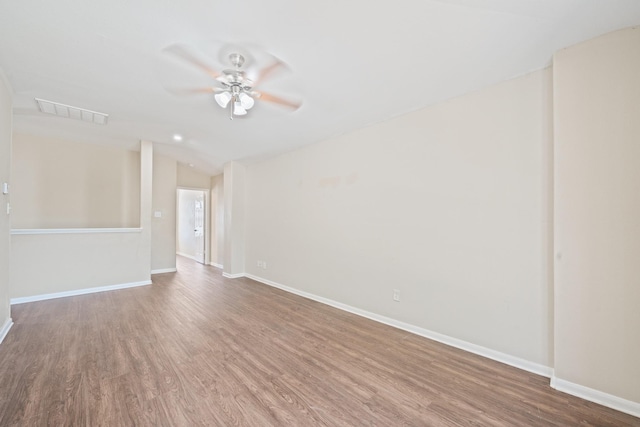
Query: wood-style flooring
[197, 349]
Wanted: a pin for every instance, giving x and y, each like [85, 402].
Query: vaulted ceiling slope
[352, 63]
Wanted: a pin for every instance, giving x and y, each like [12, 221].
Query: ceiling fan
[233, 89]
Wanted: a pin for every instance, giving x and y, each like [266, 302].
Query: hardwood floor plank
[198, 349]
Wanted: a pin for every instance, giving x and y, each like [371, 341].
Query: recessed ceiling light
[177, 137]
[62, 110]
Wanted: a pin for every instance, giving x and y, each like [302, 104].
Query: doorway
[190, 227]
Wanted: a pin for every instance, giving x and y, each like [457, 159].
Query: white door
[198, 228]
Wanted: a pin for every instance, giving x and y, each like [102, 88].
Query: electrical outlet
[259, 264]
[396, 295]
[264, 264]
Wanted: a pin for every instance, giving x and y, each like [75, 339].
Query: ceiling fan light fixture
[246, 101]
[238, 109]
[223, 98]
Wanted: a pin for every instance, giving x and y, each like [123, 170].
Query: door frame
[207, 218]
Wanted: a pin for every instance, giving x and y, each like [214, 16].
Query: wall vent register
[68, 111]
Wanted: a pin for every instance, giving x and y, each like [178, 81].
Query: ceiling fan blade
[268, 70]
[277, 100]
[184, 53]
[195, 90]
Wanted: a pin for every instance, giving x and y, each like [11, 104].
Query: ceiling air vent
[70, 112]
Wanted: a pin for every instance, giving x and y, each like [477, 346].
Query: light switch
[157, 214]
[5, 188]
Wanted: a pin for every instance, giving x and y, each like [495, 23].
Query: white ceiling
[352, 63]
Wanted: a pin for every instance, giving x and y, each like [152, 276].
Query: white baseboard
[220, 266]
[604, 399]
[187, 256]
[164, 270]
[5, 329]
[235, 276]
[43, 297]
[508, 359]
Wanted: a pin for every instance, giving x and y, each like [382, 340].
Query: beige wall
[5, 220]
[448, 204]
[163, 235]
[64, 184]
[53, 263]
[597, 220]
[66, 261]
[191, 178]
